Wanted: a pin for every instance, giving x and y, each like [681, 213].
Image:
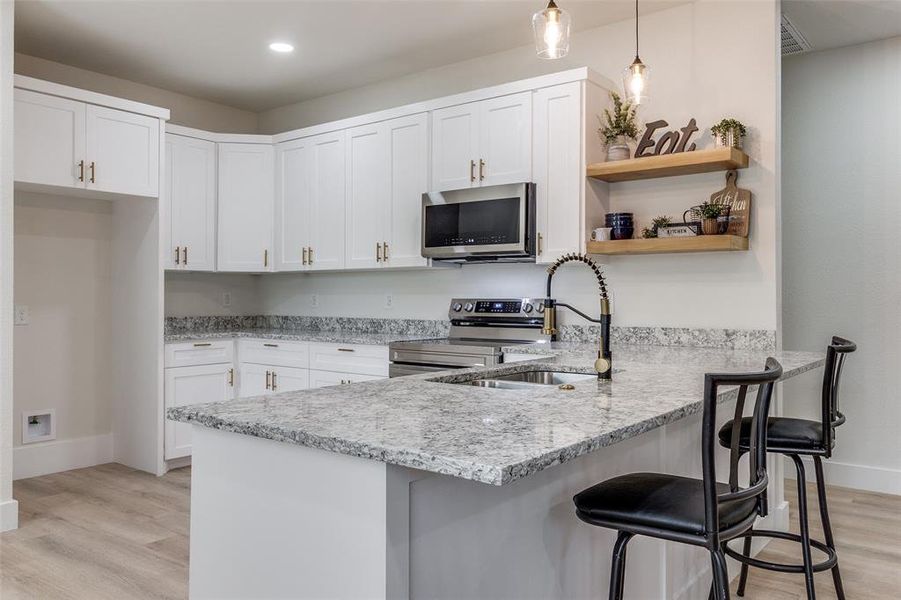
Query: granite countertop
[297, 335]
[493, 436]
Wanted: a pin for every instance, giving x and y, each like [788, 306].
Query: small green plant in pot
[657, 223]
[713, 217]
[728, 133]
[617, 127]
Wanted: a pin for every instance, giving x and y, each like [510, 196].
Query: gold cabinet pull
[202, 344]
[378, 252]
[184, 259]
[177, 259]
[266, 258]
[345, 349]
[539, 243]
[81, 170]
[385, 251]
[273, 381]
[268, 380]
[271, 345]
[472, 170]
[93, 172]
[481, 169]
[304, 253]
[310, 255]
[231, 377]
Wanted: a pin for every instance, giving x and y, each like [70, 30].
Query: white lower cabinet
[259, 380]
[350, 358]
[185, 386]
[320, 379]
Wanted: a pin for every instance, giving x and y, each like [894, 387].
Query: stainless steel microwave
[486, 224]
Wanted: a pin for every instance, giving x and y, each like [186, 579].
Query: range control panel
[461, 308]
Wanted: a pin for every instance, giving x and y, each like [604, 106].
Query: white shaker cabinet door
[408, 148]
[327, 197]
[505, 140]
[245, 207]
[191, 198]
[558, 171]
[185, 386]
[368, 195]
[455, 147]
[122, 152]
[292, 205]
[254, 380]
[49, 140]
[289, 379]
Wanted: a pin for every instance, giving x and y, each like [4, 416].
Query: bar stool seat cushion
[782, 433]
[657, 500]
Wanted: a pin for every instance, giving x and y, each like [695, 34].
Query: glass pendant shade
[636, 78]
[551, 27]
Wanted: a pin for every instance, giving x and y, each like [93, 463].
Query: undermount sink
[524, 379]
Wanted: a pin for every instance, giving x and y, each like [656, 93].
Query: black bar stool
[796, 438]
[700, 512]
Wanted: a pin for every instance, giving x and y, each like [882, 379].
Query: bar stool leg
[743, 578]
[618, 569]
[720, 574]
[827, 527]
[805, 533]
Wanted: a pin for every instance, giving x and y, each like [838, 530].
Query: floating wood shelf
[699, 243]
[668, 165]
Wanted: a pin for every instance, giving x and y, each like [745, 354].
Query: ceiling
[835, 23]
[218, 50]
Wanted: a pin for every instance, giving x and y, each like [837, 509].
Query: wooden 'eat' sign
[668, 143]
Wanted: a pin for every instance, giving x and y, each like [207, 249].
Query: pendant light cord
[636, 28]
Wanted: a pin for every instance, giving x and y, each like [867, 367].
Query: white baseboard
[9, 515]
[860, 477]
[62, 455]
[699, 587]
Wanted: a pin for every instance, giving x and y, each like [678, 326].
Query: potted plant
[728, 133]
[618, 127]
[658, 222]
[713, 218]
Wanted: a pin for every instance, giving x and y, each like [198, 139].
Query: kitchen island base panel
[276, 520]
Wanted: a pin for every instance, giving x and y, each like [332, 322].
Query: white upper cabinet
[482, 143]
[49, 140]
[191, 201]
[558, 172]
[505, 139]
[292, 205]
[123, 152]
[327, 198]
[368, 195]
[408, 145]
[246, 199]
[66, 143]
[455, 147]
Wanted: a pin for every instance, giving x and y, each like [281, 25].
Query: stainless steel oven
[486, 224]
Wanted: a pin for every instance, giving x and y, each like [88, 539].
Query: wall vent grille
[793, 42]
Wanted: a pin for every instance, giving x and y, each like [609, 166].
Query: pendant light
[551, 29]
[637, 75]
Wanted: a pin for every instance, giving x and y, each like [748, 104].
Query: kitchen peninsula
[429, 487]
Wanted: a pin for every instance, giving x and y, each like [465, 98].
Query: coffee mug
[601, 234]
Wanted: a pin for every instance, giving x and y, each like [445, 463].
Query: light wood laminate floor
[110, 532]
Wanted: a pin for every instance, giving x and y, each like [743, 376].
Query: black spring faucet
[604, 363]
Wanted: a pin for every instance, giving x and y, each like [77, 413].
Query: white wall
[196, 294]
[184, 110]
[842, 255]
[62, 274]
[695, 74]
[9, 516]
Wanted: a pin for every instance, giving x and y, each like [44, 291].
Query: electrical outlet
[389, 301]
[226, 298]
[314, 300]
[21, 315]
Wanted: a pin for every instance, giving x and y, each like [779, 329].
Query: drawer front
[275, 353]
[349, 358]
[199, 352]
[319, 379]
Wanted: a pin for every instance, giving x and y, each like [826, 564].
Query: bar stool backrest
[832, 416]
[757, 479]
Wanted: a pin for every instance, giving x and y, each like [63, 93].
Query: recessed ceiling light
[281, 47]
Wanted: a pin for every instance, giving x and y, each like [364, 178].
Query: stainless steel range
[480, 328]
